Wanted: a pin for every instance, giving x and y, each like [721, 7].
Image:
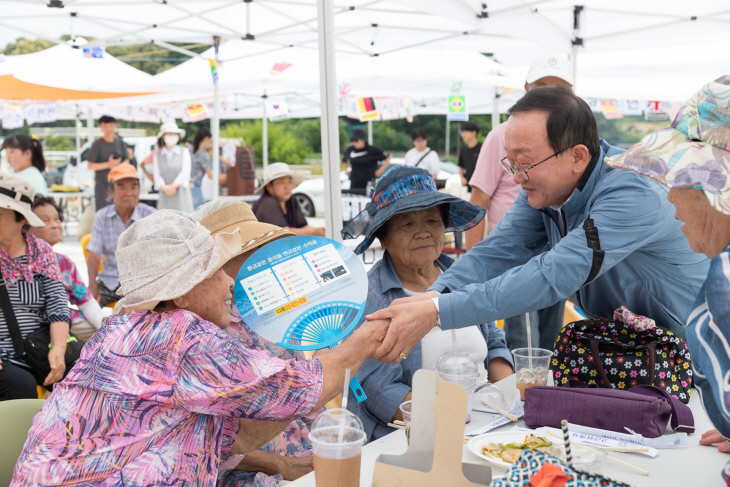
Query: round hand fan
[303, 293]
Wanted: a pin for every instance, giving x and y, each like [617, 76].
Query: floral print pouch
[620, 354]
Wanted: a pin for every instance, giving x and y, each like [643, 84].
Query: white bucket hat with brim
[238, 216]
[278, 170]
[165, 255]
[694, 152]
[171, 128]
[17, 194]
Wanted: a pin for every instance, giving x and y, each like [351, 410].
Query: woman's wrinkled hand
[56, 358]
[370, 335]
[712, 437]
[295, 467]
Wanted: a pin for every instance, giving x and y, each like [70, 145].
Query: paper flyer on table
[601, 441]
[676, 440]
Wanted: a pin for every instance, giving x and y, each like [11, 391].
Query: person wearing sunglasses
[366, 162]
[614, 239]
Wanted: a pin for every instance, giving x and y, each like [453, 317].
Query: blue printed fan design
[324, 326]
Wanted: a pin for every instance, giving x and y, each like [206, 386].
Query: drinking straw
[566, 440]
[529, 340]
[453, 339]
[341, 434]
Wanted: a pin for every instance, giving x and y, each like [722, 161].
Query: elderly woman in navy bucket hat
[409, 217]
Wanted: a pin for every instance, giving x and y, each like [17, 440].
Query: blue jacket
[621, 246]
[708, 333]
[387, 384]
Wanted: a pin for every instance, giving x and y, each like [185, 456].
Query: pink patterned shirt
[492, 179]
[155, 400]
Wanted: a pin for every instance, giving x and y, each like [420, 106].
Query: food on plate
[510, 452]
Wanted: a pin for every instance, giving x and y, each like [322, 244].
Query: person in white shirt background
[421, 155]
[171, 170]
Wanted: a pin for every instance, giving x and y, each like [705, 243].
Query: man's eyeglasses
[522, 172]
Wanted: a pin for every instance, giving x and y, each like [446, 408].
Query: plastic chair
[16, 418]
[84, 242]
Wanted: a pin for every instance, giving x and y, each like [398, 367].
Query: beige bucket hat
[171, 128]
[239, 216]
[278, 170]
[165, 255]
[17, 194]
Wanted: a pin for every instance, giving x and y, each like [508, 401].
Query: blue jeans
[545, 325]
[197, 193]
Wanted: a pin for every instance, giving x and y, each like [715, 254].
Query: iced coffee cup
[337, 436]
[531, 367]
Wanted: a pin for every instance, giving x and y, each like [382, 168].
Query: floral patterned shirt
[155, 400]
[77, 291]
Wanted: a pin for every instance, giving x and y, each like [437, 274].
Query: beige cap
[551, 66]
[17, 194]
[278, 170]
[165, 255]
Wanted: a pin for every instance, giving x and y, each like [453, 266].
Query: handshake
[388, 335]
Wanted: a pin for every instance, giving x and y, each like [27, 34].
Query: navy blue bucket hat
[402, 189]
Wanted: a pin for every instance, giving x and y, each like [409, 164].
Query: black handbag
[34, 348]
[613, 354]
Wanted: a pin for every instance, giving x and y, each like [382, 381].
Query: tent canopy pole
[330, 122]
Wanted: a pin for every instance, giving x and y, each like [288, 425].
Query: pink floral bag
[621, 353]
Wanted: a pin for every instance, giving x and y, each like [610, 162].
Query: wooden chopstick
[397, 426]
[613, 459]
[399, 422]
[501, 411]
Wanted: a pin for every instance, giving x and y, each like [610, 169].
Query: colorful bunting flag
[610, 110]
[456, 88]
[213, 69]
[196, 112]
[279, 68]
[367, 109]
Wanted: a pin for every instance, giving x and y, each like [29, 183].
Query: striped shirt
[108, 226]
[35, 304]
[708, 337]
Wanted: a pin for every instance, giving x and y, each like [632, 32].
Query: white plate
[475, 444]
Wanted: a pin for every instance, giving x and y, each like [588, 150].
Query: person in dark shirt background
[469, 154]
[364, 160]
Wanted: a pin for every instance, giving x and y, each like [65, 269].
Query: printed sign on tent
[40, 113]
[388, 108]
[12, 116]
[610, 110]
[277, 110]
[342, 92]
[166, 113]
[367, 110]
[196, 112]
[350, 107]
[457, 109]
[406, 108]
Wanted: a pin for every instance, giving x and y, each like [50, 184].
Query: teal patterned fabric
[694, 152]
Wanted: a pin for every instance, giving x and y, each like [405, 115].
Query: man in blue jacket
[614, 237]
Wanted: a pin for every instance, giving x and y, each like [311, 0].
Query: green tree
[26, 46]
[55, 142]
[284, 146]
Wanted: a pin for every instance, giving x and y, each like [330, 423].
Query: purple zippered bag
[644, 409]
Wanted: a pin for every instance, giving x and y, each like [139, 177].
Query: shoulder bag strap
[682, 419]
[10, 319]
[423, 157]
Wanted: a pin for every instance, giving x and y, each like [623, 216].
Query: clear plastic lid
[457, 362]
[336, 426]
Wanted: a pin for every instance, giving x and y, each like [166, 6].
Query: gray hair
[216, 205]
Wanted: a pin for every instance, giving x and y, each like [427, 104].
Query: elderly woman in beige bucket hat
[692, 157]
[288, 456]
[278, 205]
[162, 385]
[34, 290]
